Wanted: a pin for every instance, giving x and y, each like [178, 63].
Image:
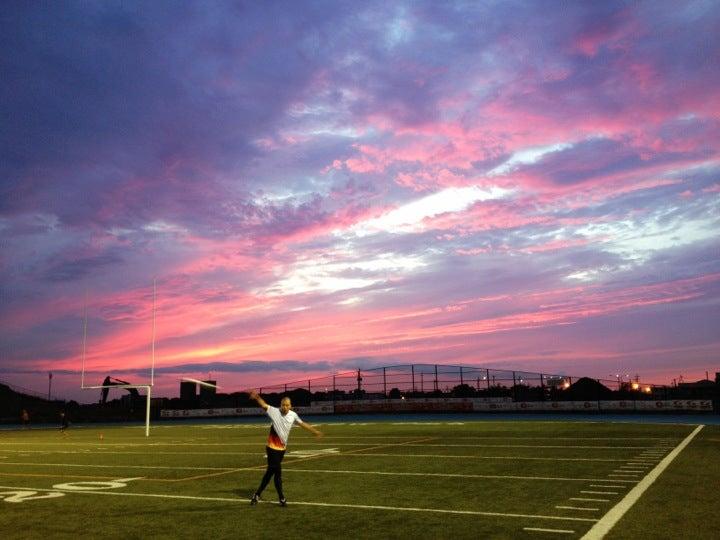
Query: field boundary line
[308, 503]
[608, 521]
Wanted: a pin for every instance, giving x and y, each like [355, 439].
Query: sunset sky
[325, 186]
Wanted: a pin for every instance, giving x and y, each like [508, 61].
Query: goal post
[146, 387]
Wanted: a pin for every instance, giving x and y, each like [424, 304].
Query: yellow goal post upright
[147, 387]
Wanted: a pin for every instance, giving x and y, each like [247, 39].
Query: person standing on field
[283, 419]
[64, 422]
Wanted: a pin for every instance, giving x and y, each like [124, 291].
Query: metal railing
[424, 379]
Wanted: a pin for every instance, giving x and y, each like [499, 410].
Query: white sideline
[608, 521]
[306, 503]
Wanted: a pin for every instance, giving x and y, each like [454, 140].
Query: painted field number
[22, 496]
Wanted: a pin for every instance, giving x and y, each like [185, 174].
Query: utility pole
[49, 384]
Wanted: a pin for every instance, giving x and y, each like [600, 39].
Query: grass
[383, 479]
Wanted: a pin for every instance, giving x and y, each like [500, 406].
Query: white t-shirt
[281, 426]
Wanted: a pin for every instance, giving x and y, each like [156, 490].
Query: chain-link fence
[424, 380]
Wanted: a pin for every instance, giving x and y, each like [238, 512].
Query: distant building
[702, 389]
[703, 383]
[188, 390]
[585, 389]
[207, 392]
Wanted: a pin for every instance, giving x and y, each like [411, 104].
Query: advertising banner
[456, 405]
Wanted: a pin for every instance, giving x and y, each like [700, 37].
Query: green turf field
[384, 479]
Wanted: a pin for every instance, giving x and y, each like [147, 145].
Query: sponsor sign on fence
[315, 408]
[456, 405]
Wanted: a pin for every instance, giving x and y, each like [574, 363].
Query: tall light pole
[49, 384]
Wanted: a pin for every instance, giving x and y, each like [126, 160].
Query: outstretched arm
[260, 401]
[311, 429]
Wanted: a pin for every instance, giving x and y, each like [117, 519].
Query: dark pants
[274, 459]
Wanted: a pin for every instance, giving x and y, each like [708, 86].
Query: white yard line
[561, 507]
[606, 486]
[469, 456]
[450, 475]
[594, 447]
[94, 444]
[600, 492]
[555, 531]
[120, 466]
[608, 521]
[326, 471]
[433, 456]
[154, 453]
[307, 503]
[588, 499]
[500, 438]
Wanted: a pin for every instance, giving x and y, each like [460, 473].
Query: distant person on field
[283, 420]
[25, 418]
[64, 422]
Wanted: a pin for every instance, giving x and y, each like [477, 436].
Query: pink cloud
[612, 31]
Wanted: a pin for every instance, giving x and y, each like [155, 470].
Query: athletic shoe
[255, 499]
[283, 502]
